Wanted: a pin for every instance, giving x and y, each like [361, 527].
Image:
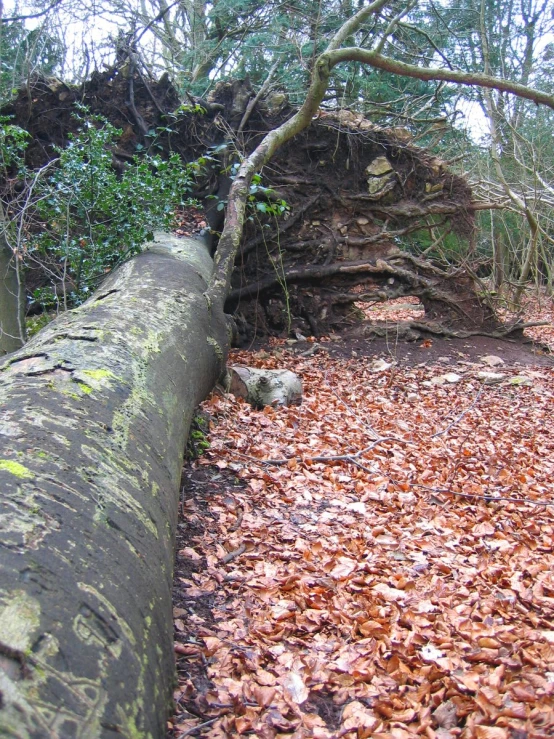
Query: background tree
[512, 40]
[12, 288]
[24, 52]
[201, 43]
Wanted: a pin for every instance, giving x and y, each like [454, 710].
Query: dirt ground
[396, 315]
[432, 350]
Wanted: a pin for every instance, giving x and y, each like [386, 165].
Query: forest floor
[406, 589]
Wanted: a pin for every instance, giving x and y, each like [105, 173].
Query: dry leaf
[388, 593]
[357, 716]
[490, 732]
[343, 568]
[483, 529]
[294, 688]
[445, 715]
[263, 695]
[190, 553]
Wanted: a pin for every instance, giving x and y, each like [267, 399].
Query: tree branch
[252, 103]
[229, 242]
[386, 64]
[40, 13]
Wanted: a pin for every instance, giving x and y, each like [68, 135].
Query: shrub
[80, 218]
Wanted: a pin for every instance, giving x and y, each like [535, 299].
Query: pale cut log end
[261, 387]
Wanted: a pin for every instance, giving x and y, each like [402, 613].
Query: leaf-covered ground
[406, 589]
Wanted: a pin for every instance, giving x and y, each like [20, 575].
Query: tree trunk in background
[95, 414]
[499, 255]
[12, 298]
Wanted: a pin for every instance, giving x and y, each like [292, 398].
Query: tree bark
[12, 297]
[95, 413]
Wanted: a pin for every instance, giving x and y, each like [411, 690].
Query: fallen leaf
[445, 715]
[357, 716]
[490, 732]
[343, 568]
[388, 593]
[263, 695]
[294, 688]
[483, 529]
[431, 653]
[358, 579]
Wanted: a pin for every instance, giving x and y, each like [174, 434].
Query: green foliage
[440, 245]
[90, 219]
[260, 199]
[263, 199]
[13, 142]
[37, 323]
[198, 437]
[188, 108]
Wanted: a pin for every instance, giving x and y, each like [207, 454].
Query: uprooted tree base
[353, 191]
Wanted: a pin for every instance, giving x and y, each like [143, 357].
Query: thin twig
[234, 554]
[194, 729]
[489, 498]
[252, 103]
[462, 414]
[333, 458]
[161, 111]
[353, 459]
[131, 102]
[18, 18]
[155, 19]
[238, 522]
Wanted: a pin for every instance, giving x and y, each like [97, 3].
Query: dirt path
[406, 591]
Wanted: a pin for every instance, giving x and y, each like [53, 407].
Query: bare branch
[252, 103]
[378, 61]
[38, 14]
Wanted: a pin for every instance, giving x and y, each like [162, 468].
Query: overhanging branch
[386, 64]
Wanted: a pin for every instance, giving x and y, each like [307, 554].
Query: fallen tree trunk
[95, 414]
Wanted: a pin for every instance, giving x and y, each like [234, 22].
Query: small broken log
[261, 387]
